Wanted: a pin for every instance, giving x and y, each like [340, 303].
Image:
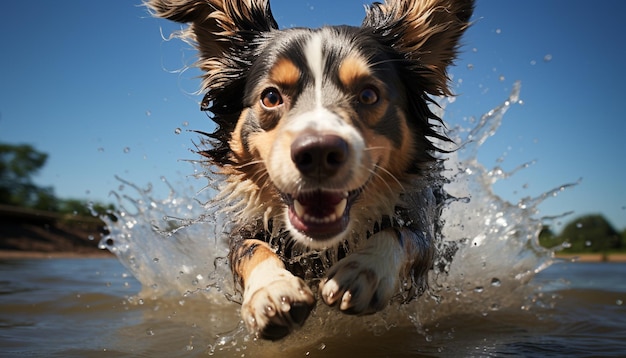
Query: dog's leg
[365, 281]
[274, 300]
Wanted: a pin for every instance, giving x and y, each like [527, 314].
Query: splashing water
[176, 248]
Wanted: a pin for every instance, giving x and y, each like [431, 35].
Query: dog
[325, 139]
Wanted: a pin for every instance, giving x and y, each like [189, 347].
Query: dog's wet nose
[319, 155]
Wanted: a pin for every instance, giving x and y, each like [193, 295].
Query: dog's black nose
[319, 155]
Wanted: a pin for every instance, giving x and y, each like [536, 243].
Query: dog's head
[321, 129]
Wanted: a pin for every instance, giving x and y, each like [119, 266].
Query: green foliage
[548, 239]
[80, 207]
[589, 233]
[18, 165]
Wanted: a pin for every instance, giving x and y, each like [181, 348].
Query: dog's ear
[222, 31]
[426, 33]
[226, 34]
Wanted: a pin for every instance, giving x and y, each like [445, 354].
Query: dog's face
[319, 130]
[325, 130]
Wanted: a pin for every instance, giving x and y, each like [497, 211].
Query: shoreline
[612, 257]
[22, 255]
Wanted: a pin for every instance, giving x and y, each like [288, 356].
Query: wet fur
[355, 97]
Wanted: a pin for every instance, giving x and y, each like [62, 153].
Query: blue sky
[94, 85]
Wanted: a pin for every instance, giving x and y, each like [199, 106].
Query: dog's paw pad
[274, 310]
[356, 288]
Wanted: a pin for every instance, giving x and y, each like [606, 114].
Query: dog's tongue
[322, 204]
[319, 214]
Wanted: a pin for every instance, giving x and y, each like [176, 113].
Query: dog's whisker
[377, 148]
[389, 60]
[250, 163]
[393, 177]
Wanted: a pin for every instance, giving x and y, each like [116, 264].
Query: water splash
[176, 248]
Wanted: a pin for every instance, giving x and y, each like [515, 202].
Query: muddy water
[81, 308]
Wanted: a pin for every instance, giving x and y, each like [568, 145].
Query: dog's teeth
[300, 211]
[298, 208]
[340, 208]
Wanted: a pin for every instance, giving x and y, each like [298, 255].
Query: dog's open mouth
[321, 214]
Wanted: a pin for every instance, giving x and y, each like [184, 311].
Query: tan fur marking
[235, 142]
[285, 73]
[248, 258]
[262, 143]
[352, 70]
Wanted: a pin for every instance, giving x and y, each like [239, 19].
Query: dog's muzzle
[320, 213]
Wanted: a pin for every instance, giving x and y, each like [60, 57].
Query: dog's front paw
[275, 309]
[358, 285]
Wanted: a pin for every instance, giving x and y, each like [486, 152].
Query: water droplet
[479, 289]
[470, 66]
[495, 282]
[100, 149]
[322, 346]
[177, 130]
[501, 78]
[547, 58]
[533, 62]
[579, 225]
[619, 302]
[150, 332]
[587, 243]
[498, 31]
[148, 113]
[126, 149]
[185, 124]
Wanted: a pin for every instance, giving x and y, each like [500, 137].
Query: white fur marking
[313, 54]
[262, 275]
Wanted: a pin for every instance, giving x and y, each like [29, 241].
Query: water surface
[81, 308]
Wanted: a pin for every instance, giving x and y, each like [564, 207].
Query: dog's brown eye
[368, 95]
[271, 98]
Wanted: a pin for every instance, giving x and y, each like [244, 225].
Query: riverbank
[27, 233]
[612, 257]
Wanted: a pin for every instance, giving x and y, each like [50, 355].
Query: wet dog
[325, 137]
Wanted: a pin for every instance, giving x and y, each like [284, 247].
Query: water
[81, 308]
[173, 293]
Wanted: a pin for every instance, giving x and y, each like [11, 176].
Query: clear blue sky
[95, 86]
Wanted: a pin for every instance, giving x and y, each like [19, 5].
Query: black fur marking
[250, 126]
[389, 125]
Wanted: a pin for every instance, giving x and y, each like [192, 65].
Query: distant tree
[591, 233]
[18, 164]
[548, 239]
[84, 208]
